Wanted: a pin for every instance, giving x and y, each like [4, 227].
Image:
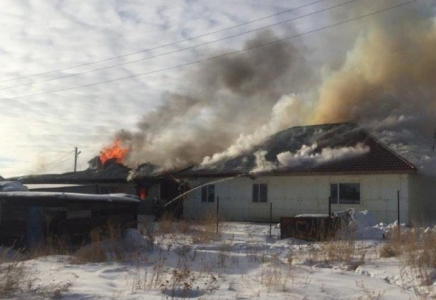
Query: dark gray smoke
[226, 97]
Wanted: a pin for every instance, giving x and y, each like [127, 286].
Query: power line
[62, 159]
[214, 57]
[56, 162]
[181, 49]
[165, 45]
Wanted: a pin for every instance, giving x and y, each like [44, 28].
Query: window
[260, 192]
[345, 193]
[208, 193]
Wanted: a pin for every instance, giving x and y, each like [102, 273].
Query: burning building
[304, 170]
[107, 174]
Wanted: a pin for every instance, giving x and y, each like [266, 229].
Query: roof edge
[306, 173]
[412, 166]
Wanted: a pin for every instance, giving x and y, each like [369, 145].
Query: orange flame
[113, 151]
[142, 194]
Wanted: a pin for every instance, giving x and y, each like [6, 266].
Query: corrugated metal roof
[379, 159]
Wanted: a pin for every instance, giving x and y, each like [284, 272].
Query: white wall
[293, 195]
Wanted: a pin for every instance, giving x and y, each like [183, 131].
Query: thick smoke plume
[386, 83]
[227, 98]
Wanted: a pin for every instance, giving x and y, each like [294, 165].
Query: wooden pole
[398, 204]
[270, 219]
[217, 212]
[330, 207]
[75, 159]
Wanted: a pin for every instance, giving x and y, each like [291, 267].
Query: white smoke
[263, 165]
[288, 111]
[306, 156]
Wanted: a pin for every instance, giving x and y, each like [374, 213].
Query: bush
[388, 250]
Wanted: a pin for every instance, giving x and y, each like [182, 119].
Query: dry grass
[367, 293]
[104, 245]
[207, 229]
[388, 250]
[174, 283]
[166, 223]
[16, 280]
[51, 246]
[416, 252]
[184, 226]
[348, 252]
[276, 276]
[13, 278]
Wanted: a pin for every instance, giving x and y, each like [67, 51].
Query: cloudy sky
[44, 40]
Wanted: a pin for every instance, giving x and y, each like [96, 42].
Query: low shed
[28, 218]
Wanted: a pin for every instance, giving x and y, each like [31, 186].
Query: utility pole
[76, 155]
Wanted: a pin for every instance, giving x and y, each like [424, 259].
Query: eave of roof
[307, 173]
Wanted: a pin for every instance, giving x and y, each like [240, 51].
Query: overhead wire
[57, 161]
[178, 50]
[164, 45]
[216, 56]
[62, 159]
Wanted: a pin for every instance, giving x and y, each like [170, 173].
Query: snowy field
[184, 260]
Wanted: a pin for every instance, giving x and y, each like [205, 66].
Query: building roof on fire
[109, 172]
[320, 149]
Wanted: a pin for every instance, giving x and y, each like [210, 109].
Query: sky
[45, 40]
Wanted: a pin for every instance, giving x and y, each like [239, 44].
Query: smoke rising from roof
[386, 83]
[307, 155]
[226, 99]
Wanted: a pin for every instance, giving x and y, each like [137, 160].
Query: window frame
[338, 199]
[257, 195]
[207, 191]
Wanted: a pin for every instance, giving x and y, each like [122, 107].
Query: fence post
[398, 204]
[270, 219]
[330, 206]
[217, 212]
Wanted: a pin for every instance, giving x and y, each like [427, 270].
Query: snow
[243, 262]
[312, 216]
[52, 186]
[10, 186]
[74, 196]
[362, 225]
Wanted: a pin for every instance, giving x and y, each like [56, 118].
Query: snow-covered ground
[242, 262]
